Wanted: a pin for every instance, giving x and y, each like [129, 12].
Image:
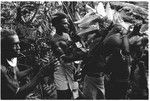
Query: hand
[54, 62]
[44, 71]
[124, 31]
[49, 89]
[77, 76]
[52, 65]
[63, 58]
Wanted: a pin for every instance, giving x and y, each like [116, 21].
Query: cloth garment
[59, 75]
[60, 79]
[64, 94]
[64, 74]
[94, 87]
[118, 90]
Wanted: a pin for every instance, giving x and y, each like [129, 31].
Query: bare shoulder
[3, 70]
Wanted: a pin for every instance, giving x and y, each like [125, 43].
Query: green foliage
[33, 19]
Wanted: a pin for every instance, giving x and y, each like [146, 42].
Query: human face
[64, 25]
[13, 46]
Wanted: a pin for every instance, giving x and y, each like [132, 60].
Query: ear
[100, 9]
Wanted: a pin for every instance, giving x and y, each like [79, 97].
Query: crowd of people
[111, 65]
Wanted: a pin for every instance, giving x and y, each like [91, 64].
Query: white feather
[109, 12]
[100, 9]
[117, 19]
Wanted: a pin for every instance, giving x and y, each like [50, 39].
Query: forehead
[13, 39]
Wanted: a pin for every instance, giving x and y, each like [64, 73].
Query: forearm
[24, 73]
[56, 49]
[27, 88]
[76, 57]
[126, 44]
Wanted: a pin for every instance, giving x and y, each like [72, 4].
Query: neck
[9, 57]
[59, 32]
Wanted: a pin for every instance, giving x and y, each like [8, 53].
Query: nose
[66, 25]
[18, 47]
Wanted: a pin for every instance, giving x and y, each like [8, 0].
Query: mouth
[18, 52]
[66, 30]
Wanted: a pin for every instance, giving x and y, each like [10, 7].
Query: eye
[131, 28]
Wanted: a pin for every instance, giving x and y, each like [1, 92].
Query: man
[64, 75]
[116, 45]
[94, 79]
[10, 88]
[138, 77]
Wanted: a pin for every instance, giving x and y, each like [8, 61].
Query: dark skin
[63, 26]
[11, 51]
[13, 47]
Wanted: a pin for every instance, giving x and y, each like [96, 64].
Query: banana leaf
[132, 12]
[109, 12]
[89, 21]
[100, 9]
[144, 29]
[91, 29]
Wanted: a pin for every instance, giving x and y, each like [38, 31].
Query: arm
[21, 74]
[126, 44]
[56, 49]
[11, 85]
[24, 73]
[78, 56]
[125, 41]
[8, 87]
[27, 88]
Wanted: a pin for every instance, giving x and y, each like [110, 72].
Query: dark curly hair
[5, 34]
[5, 41]
[57, 17]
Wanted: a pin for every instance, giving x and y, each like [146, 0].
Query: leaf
[84, 18]
[88, 21]
[77, 16]
[100, 9]
[109, 12]
[91, 28]
[40, 29]
[144, 28]
[89, 9]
